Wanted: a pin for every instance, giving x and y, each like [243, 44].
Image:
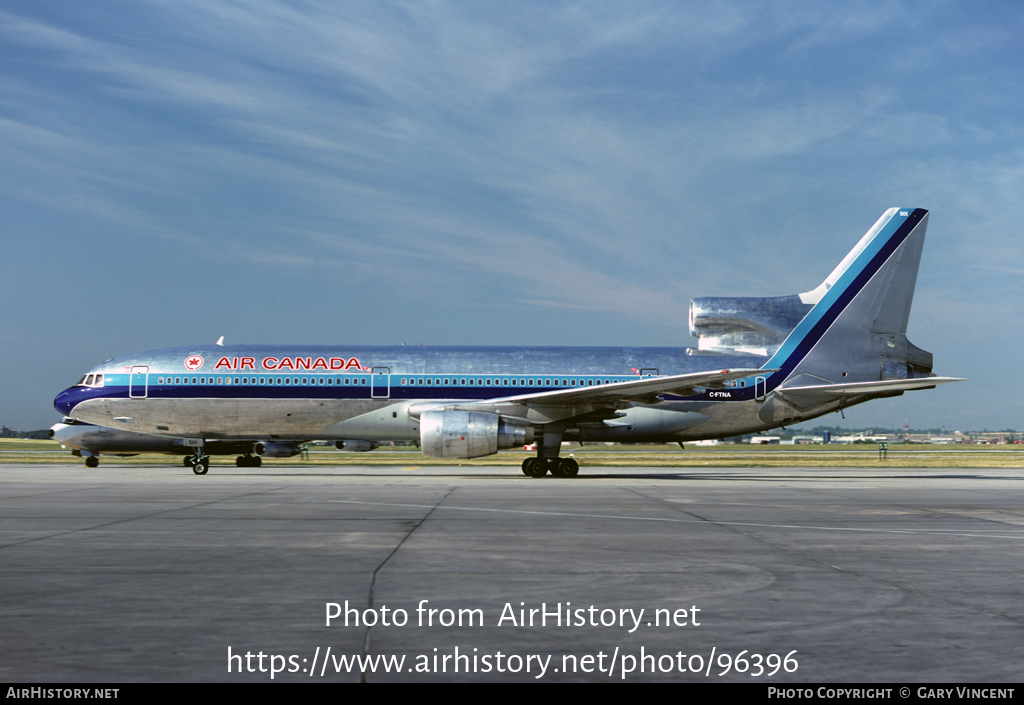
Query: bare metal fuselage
[377, 398]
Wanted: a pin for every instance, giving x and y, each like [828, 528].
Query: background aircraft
[761, 363]
[90, 441]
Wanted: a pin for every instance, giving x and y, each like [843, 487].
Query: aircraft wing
[879, 387]
[642, 391]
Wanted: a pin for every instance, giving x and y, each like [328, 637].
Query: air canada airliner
[760, 363]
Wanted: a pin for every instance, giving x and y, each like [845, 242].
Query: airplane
[91, 441]
[761, 363]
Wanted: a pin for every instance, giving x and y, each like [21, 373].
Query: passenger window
[428, 382]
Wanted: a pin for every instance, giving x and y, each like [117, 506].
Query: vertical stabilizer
[860, 312]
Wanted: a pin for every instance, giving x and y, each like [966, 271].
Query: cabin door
[138, 383]
[380, 383]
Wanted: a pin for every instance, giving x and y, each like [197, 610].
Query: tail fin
[856, 330]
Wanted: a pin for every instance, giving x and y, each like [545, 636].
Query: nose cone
[66, 401]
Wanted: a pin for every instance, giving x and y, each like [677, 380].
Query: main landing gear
[547, 459]
[200, 462]
[558, 467]
[92, 461]
[248, 461]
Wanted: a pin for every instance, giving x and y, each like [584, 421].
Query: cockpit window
[93, 380]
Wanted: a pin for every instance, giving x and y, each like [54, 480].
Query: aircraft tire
[256, 462]
[241, 462]
[565, 467]
[569, 467]
[201, 467]
[92, 461]
[535, 467]
[187, 461]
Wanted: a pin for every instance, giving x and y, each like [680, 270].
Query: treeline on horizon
[41, 434]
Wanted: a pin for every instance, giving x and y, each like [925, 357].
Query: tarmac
[765, 575]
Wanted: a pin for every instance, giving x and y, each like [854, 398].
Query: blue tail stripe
[810, 330]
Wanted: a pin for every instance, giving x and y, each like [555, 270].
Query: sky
[529, 173]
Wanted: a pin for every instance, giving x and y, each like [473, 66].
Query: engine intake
[744, 324]
[469, 434]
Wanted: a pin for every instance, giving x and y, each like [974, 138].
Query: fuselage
[306, 392]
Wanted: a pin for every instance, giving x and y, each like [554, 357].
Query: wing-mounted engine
[266, 449]
[356, 446]
[446, 433]
[745, 325]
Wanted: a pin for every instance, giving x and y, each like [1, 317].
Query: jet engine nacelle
[275, 450]
[356, 446]
[469, 434]
[744, 324]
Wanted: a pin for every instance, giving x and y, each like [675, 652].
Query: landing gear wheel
[201, 466]
[187, 461]
[256, 462]
[535, 467]
[565, 467]
[241, 462]
[92, 461]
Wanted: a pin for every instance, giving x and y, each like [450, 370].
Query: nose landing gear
[200, 462]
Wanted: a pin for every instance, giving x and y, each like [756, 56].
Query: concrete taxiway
[822, 575]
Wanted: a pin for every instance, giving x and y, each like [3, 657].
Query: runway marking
[710, 522]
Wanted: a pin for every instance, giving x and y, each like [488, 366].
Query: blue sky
[498, 173]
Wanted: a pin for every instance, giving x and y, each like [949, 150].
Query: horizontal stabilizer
[861, 388]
